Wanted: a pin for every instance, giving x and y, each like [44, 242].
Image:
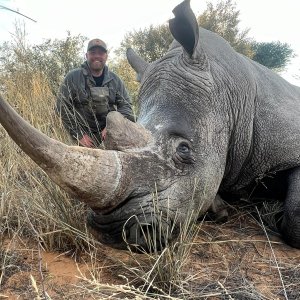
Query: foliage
[274, 55]
[223, 19]
[56, 58]
[151, 43]
[53, 58]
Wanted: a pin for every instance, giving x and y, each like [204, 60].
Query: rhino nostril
[140, 234]
[146, 237]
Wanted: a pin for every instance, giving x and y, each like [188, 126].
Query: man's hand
[86, 141]
[103, 134]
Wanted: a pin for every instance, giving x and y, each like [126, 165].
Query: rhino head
[175, 153]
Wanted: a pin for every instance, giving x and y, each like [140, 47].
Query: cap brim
[97, 46]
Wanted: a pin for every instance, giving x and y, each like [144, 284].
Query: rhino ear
[137, 63]
[184, 27]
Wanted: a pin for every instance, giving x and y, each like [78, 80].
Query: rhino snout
[142, 233]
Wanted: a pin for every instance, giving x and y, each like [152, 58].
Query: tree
[53, 58]
[150, 43]
[153, 42]
[223, 19]
[274, 55]
[56, 57]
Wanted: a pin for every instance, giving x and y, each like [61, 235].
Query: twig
[12, 10]
[35, 287]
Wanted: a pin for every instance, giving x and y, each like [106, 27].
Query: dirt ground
[235, 260]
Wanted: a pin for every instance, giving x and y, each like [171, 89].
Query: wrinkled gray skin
[211, 122]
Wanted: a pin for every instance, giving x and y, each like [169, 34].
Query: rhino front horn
[91, 175]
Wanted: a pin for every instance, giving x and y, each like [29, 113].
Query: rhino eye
[183, 148]
[183, 154]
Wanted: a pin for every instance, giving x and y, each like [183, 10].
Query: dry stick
[14, 11]
[236, 241]
[277, 266]
[35, 287]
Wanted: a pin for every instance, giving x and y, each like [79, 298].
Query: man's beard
[97, 67]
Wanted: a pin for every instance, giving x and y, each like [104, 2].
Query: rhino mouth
[143, 229]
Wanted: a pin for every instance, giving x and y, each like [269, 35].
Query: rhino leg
[290, 226]
[219, 210]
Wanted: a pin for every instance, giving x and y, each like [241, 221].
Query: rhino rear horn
[184, 27]
[123, 134]
[137, 63]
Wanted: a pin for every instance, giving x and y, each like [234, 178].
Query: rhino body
[212, 122]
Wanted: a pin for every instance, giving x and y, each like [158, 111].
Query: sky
[110, 20]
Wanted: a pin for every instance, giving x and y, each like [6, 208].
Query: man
[88, 94]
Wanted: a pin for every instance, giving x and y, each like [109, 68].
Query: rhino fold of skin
[211, 121]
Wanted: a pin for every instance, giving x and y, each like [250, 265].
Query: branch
[4, 7]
